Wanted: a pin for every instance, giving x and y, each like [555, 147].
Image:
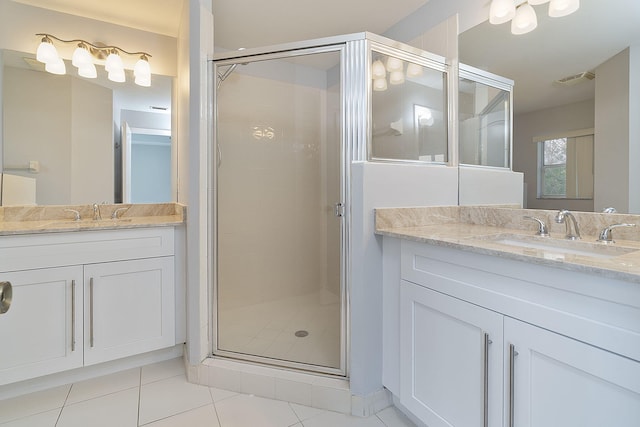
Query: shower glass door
[279, 225]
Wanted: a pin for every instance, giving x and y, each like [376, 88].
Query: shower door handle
[338, 209]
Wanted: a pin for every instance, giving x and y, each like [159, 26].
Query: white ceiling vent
[576, 78]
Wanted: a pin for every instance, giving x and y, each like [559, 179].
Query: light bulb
[113, 62]
[81, 56]
[56, 67]
[396, 77]
[377, 70]
[501, 11]
[47, 52]
[525, 20]
[380, 85]
[560, 8]
[116, 76]
[414, 70]
[394, 64]
[88, 71]
[143, 81]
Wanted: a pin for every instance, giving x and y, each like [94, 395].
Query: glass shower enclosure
[288, 122]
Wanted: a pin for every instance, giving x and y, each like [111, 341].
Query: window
[566, 166]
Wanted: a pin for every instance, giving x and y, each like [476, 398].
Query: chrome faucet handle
[114, 215]
[96, 212]
[76, 214]
[606, 233]
[543, 230]
[610, 209]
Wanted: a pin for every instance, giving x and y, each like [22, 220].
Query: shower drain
[301, 334]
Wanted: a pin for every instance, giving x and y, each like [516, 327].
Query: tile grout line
[139, 395]
[63, 405]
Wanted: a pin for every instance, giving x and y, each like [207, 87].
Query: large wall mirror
[71, 140]
[573, 75]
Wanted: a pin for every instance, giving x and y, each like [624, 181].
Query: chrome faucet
[606, 234]
[566, 217]
[76, 214]
[542, 226]
[96, 212]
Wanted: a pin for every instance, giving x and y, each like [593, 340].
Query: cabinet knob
[6, 293]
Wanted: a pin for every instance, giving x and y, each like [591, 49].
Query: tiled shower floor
[269, 329]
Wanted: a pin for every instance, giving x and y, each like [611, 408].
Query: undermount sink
[554, 248]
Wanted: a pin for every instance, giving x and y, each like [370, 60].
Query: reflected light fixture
[414, 70]
[380, 84]
[524, 19]
[560, 8]
[378, 71]
[85, 56]
[396, 77]
[501, 11]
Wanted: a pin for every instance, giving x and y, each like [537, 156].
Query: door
[129, 308]
[280, 210]
[450, 359]
[41, 332]
[558, 381]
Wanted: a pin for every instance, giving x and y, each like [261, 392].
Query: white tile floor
[159, 395]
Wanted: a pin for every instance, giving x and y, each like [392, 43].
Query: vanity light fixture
[524, 19]
[501, 11]
[85, 57]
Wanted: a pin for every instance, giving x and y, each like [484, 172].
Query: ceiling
[246, 23]
[558, 48]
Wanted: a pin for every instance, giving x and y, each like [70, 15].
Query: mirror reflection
[62, 139]
[572, 75]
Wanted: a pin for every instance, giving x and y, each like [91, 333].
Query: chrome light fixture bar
[85, 56]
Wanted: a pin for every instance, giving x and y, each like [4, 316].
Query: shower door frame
[334, 44]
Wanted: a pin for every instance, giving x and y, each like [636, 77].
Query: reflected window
[565, 167]
[409, 119]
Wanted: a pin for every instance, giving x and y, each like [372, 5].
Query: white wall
[195, 44]
[617, 132]
[379, 185]
[611, 166]
[65, 124]
[551, 121]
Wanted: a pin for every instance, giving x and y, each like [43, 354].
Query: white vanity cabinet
[491, 342]
[448, 350]
[83, 298]
[41, 333]
[129, 308]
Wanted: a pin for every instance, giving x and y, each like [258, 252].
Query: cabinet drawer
[60, 249]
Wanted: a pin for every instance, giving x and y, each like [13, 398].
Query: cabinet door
[558, 381]
[41, 333]
[129, 308]
[450, 359]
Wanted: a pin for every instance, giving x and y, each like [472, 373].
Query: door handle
[512, 383]
[6, 294]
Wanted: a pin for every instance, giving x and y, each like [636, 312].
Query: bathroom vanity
[481, 331]
[86, 292]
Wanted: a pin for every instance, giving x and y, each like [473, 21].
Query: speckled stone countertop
[50, 219]
[503, 232]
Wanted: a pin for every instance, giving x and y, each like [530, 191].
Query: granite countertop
[620, 260]
[56, 219]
